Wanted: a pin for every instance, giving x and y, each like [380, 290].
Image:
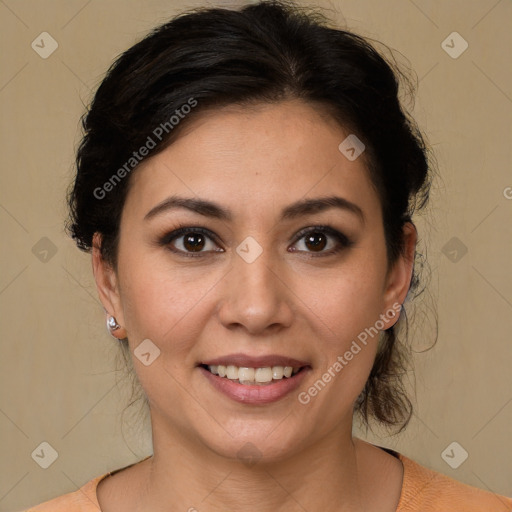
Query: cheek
[163, 306]
[343, 313]
[343, 306]
[161, 302]
[345, 300]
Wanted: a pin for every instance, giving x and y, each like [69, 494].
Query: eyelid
[321, 228]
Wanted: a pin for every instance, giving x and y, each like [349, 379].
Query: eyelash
[343, 241]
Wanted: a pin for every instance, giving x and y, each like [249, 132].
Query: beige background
[57, 360]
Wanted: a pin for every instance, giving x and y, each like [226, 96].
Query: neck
[331, 475]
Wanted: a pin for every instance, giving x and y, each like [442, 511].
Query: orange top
[423, 490]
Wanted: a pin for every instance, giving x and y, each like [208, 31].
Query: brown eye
[194, 242]
[315, 241]
[190, 242]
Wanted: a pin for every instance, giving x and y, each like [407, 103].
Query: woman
[246, 186]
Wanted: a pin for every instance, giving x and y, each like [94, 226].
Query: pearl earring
[112, 324]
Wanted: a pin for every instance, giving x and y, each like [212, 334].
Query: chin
[256, 442]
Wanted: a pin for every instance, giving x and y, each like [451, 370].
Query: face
[257, 280]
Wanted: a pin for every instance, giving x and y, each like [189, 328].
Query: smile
[256, 385]
[253, 376]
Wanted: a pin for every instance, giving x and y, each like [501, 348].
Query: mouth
[254, 380]
[259, 376]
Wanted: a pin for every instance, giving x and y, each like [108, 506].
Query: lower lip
[255, 394]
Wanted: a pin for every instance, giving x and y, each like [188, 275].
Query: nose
[255, 296]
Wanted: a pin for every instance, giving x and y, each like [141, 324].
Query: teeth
[246, 373]
[231, 372]
[253, 376]
[263, 374]
[277, 372]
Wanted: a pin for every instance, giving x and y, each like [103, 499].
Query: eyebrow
[294, 210]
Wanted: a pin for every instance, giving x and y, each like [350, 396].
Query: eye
[190, 241]
[196, 241]
[316, 239]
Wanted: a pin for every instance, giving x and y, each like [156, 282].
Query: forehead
[245, 158]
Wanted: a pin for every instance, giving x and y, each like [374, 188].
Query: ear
[107, 286]
[398, 280]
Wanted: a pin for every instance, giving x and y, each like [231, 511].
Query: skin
[299, 303]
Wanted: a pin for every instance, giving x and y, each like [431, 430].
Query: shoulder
[82, 500]
[429, 491]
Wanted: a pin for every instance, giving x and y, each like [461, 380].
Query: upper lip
[247, 361]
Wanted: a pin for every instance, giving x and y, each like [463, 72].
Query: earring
[112, 324]
[400, 310]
